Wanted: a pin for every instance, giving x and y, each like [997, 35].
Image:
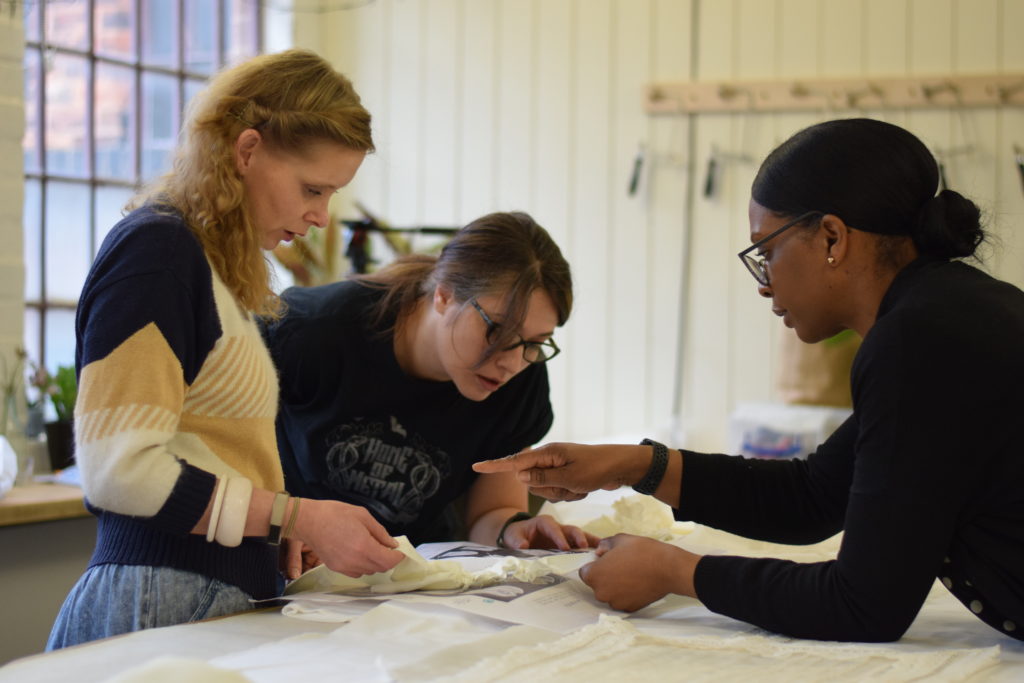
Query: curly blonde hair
[294, 99]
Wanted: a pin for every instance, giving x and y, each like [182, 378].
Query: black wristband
[656, 472]
[518, 517]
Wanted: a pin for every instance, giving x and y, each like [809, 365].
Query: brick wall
[12, 123]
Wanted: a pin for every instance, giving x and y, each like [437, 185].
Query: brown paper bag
[817, 374]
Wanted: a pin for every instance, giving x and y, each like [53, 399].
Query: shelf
[836, 94]
[41, 503]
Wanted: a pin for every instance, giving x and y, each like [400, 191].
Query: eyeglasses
[756, 264]
[533, 352]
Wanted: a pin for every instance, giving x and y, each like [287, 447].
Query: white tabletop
[676, 640]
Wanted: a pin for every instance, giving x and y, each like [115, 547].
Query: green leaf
[64, 392]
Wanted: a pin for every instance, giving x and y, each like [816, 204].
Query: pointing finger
[506, 464]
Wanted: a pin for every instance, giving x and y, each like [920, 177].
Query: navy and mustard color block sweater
[175, 387]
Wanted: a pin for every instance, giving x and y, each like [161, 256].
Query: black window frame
[41, 49]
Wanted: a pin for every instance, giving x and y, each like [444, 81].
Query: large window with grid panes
[106, 82]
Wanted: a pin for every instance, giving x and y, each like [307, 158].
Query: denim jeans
[110, 599]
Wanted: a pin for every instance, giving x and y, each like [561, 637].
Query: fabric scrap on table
[417, 573]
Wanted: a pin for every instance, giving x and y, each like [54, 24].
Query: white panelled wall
[12, 186]
[536, 105]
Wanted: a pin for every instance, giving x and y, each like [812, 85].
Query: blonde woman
[175, 416]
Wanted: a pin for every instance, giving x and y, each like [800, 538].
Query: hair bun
[949, 226]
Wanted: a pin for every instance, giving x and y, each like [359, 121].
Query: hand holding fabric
[346, 538]
[631, 572]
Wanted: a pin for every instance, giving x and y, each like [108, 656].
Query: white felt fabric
[417, 573]
[613, 648]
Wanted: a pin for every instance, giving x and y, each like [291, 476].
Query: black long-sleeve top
[926, 479]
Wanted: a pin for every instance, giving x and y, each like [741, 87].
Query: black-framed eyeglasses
[755, 263]
[533, 351]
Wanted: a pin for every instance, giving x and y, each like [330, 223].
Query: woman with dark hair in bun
[925, 479]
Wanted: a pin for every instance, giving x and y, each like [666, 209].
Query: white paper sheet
[452, 566]
[391, 635]
[537, 588]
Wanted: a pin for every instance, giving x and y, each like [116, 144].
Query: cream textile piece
[634, 513]
[605, 651]
[639, 515]
[417, 573]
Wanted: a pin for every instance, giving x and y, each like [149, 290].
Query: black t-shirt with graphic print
[352, 426]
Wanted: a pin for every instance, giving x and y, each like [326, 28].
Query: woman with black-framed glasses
[394, 383]
[925, 480]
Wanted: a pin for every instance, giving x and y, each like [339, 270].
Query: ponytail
[403, 282]
[878, 178]
[948, 226]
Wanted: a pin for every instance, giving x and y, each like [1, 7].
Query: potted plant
[12, 438]
[11, 384]
[62, 389]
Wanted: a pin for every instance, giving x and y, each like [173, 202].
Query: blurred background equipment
[330, 254]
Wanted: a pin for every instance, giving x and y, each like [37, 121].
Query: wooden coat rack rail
[834, 94]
